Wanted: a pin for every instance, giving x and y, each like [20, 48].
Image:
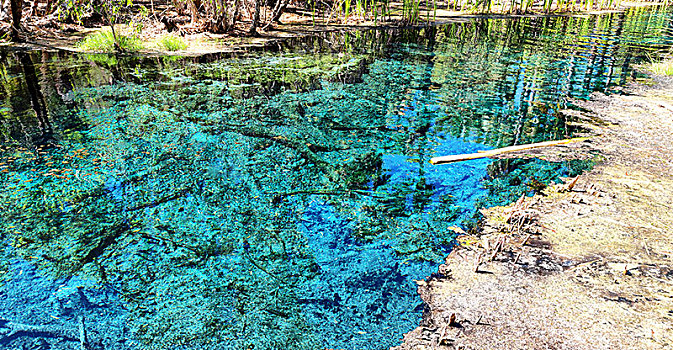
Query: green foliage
[411, 11]
[103, 41]
[137, 27]
[274, 73]
[172, 43]
[111, 10]
[144, 12]
[364, 172]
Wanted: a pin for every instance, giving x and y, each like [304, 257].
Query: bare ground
[588, 265]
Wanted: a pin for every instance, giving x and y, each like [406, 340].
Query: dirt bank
[586, 266]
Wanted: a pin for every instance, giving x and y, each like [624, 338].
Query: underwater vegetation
[276, 201]
[510, 179]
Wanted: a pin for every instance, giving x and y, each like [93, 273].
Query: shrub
[172, 43]
[103, 41]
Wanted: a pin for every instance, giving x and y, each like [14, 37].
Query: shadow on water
[278, 199]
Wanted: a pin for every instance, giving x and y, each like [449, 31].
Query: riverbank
[587, 265]
[296, 23]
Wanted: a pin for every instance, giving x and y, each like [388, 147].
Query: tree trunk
[114, 36]
[194, 8]
[33, 9]
[111, 22]
[255, 19]
[16, 7]
[50, 7]
[282, 4]
[234, 16]
[4, 14]
[278, 9]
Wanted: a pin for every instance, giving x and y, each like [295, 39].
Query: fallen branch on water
[495, 152]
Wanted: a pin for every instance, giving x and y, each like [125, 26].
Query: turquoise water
[277, 200]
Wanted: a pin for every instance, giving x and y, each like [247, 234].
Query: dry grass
[664, 67]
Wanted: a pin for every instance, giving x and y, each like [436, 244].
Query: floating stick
[495, 152]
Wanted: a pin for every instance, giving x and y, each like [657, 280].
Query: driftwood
[83, 339]
[495, 152]
[11, 329]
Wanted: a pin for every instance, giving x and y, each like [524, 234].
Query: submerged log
[495, 152]
[9, 330]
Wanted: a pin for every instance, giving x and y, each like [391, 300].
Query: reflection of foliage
[270, 75]
[503, 82]
[103, 59]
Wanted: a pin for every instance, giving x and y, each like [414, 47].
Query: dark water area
[277, 199]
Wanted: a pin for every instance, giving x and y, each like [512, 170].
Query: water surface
[278, 200]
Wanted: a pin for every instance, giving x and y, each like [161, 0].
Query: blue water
[277, 200]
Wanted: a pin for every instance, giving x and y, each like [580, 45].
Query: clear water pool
[277, 200]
